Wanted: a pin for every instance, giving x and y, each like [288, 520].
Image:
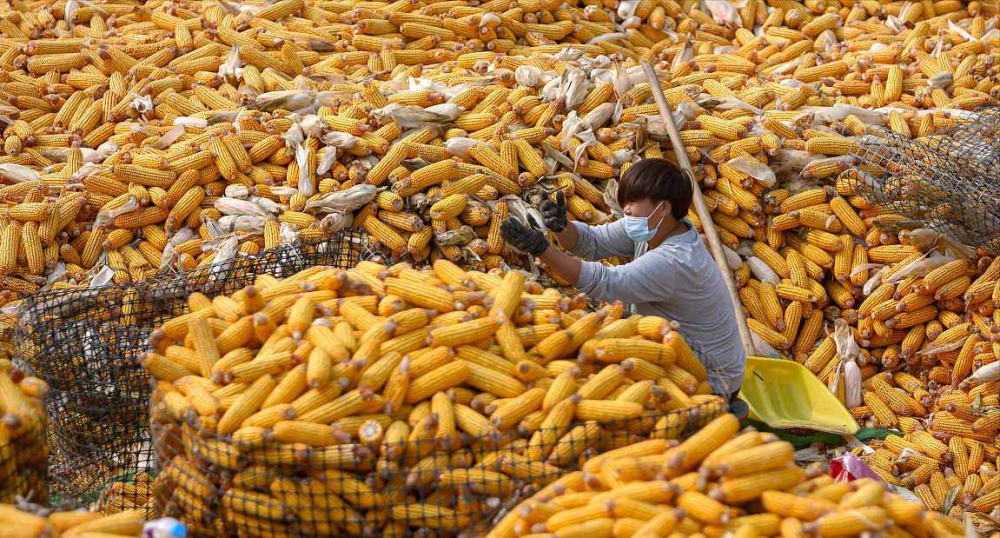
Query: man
[672, 274]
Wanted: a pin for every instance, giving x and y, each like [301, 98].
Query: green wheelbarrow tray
[785, 394]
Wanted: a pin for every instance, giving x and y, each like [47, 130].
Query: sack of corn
[944, 181]
[717, 482]
[389, 399]
[86, 345]
[23, 450]
[18, 521]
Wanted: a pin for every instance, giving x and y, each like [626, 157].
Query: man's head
[657, 189]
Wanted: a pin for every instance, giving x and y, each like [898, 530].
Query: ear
[666, 210]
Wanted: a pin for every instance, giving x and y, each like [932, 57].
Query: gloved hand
[554, 213]
[526, 239]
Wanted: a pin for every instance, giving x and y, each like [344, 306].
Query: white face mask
[637, 228]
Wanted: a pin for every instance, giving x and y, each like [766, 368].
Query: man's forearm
[568, 237]
[563, 264]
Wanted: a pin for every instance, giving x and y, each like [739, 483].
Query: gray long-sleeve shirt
[677, 280]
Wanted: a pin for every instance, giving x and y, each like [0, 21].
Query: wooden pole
[714, 244]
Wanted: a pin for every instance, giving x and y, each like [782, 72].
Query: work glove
[524, 238]
[554, 213]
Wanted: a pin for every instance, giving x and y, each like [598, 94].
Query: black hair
[658, 180]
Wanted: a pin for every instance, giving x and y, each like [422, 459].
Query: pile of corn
[949, 455]
[23, 450]
[378, 399]
[18, 523]
[925, 325]
[168, 135]
[718, 481]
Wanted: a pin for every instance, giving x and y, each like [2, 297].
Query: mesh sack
[367, 480]
[87, 344]
[949, 182]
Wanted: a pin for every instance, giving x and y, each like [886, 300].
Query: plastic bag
[849, 468]
[164, 528]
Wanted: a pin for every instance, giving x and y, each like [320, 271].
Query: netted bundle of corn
[383, 400]
[174, 135]
[8, 326]
[717, 482]
[22, 523]
[129, 496]
[23, 448]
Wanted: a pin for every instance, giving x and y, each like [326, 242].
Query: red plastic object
[849, 467]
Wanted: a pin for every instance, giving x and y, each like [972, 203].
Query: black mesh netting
[87, 344]
[949, 182]
[379, 475]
